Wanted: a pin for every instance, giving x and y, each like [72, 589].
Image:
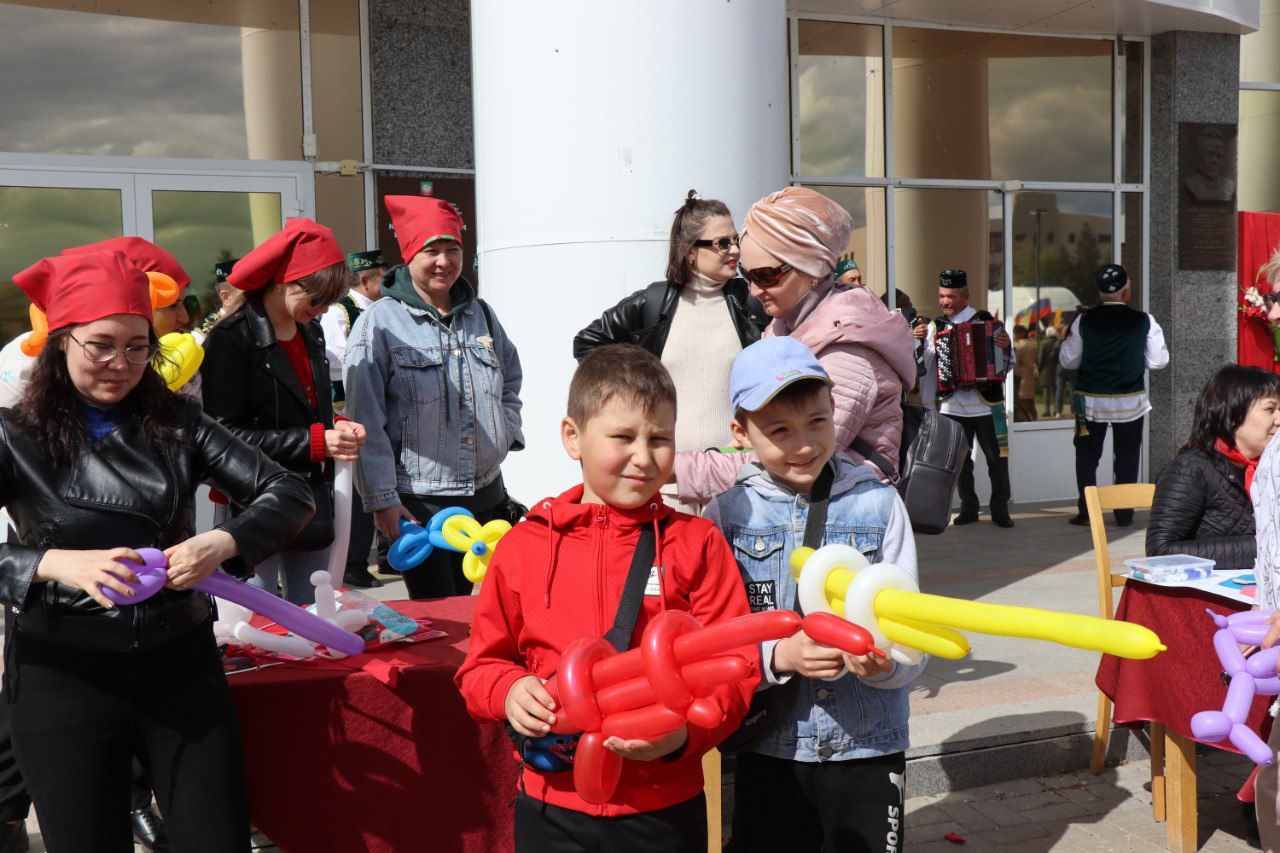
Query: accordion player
[969, 357]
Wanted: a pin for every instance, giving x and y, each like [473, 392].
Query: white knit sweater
[701, 346]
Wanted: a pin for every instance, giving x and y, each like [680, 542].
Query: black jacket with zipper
[124, 493]
[249, 385]
[1202, 509]
[625, 323]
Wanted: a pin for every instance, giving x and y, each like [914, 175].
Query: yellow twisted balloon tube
[886, 601]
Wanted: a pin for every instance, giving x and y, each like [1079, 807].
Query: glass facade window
[938, 229]
[1259, 145]
[841, 99]
[975, 105]
[219, 79]
[37, 222]
[202, 228]
[338, 117]
[1051, 280]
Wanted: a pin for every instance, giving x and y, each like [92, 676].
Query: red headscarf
[144, 255]
[302, 248]
[418, 220]
[1234, 455]
[73, 289]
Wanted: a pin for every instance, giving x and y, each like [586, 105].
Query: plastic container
[1172, 568]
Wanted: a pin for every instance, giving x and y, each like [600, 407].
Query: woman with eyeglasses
[266, 378]
[791, 241]
[97, 460]
[696, 321]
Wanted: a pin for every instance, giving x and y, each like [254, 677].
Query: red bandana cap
[143, 254]
[74, 289]
[302, 248]
[419, 220]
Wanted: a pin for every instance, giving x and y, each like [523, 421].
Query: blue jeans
[292, 570]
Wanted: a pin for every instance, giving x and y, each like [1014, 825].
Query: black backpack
[932, 454]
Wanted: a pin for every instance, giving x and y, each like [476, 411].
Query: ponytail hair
[691, 220]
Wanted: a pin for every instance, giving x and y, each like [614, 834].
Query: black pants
[984, 428]
[846, 806]
[541, 828]
[361, 538]
[440, 575]
[1126, 453]
[79, 716]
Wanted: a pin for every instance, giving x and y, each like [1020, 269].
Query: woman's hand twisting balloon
[87, 570]
[194, 559]
[867, 666]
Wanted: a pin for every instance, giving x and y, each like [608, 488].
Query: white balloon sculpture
[233, 620]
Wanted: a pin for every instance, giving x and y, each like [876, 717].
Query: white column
[592, 121]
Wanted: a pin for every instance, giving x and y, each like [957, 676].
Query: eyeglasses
[766, 276]
[720, 244]
[100, 353]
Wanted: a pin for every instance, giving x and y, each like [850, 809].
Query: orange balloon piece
[34, 342]
[164, 290]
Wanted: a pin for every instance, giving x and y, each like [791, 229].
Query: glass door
[204, 220]
[43, 212]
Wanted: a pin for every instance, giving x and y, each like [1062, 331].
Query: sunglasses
[721, 244]
[766, 276]
[318, 301]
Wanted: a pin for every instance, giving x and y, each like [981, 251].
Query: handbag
[770, 707]
[554, 753]
[319, 530]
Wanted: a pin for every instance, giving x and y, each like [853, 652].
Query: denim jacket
[440, 404]
[849, 717]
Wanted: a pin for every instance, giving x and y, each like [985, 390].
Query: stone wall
[1194, 78]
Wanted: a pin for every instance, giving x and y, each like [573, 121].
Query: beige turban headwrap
[801, 227]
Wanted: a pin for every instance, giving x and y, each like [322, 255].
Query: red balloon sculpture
[663, 684]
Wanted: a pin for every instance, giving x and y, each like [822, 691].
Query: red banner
[1259, 236]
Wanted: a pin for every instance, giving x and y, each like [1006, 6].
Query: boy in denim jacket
[830, 777]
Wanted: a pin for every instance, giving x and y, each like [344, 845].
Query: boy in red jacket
[558, 576]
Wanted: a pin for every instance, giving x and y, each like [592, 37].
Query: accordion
[968, 356]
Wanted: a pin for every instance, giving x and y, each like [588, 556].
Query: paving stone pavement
[1078, 812]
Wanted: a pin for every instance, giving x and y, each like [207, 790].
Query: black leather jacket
[624, 323]
[251, 388]
[122, 493]
[1202, 509]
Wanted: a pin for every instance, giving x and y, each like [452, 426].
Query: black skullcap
[954, 279]
[1112, 278]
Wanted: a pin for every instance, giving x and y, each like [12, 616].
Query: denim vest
[831, 720]
[442, 406]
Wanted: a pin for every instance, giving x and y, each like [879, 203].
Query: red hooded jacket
[556, 577]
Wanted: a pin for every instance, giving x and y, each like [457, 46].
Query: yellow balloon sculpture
[475, 541]
[180, 358]
[907, 623]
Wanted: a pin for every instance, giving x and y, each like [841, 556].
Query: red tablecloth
[385, 757]
[1172, 686]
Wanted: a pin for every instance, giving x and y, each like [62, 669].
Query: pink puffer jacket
[865, 349]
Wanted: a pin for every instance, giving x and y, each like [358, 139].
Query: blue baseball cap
[766, 367]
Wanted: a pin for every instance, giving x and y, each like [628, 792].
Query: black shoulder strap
[816, 522]
[488, 314]
[654, 295]
[863, 448]
[624, 622]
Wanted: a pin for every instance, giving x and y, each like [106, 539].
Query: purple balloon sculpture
[1250, 677]
[151, 577]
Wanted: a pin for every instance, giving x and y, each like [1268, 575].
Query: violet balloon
[1250, 678]
[151, 577]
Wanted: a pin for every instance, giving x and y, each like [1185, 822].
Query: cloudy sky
[120, 86]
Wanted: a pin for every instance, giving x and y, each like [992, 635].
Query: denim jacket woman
[438, 395]
[849, 717]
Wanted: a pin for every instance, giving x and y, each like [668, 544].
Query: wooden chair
[1097, 501]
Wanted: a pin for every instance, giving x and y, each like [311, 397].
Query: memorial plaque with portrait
[1206, 196]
